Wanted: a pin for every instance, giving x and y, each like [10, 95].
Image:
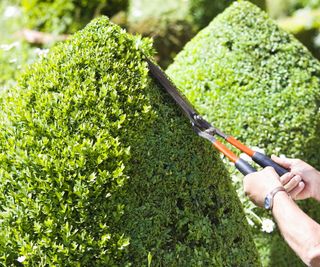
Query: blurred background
[30, 27]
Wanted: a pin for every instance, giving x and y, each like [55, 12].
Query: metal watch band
[268, 202]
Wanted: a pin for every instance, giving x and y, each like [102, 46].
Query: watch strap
[270, 196]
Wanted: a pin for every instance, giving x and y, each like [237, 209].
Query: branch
[40, 38]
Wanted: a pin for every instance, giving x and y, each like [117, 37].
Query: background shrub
[14, 54]
[283, 8]
[300, 17]
[260, 84]
[100, 168]
[171, 23]
[67, 16]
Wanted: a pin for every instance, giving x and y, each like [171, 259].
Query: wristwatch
[268, 201]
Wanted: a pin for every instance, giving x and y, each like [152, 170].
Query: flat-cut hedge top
[255, 81]
[99, 167]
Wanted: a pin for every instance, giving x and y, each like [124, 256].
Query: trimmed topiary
[67, 16]
[258, 83]
[100, 168]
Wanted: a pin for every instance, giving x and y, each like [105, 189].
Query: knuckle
[268, 168]
[297, 178]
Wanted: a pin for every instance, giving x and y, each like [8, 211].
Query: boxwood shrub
[100, 168]
[259, 84]
[66, 16]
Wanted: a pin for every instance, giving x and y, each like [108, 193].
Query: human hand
[309, 175]
[293, 184]
[258, 184]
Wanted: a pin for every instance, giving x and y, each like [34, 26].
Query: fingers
[294, 181]
[284, 179]
[284, 162]
[297, 190]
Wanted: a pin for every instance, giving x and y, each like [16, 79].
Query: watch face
[267, 202]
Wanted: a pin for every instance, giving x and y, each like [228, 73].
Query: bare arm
[298, 229]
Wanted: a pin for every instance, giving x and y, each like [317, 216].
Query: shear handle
[243, 166]
[257, 157]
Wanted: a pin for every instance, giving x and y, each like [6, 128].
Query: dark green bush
[100, 168]
[171, 23]
[258, 83]
[67, 16]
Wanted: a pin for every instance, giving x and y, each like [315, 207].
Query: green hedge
[67, 16]
[100, 168]
[258, 83]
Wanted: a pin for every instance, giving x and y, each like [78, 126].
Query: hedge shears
[206, 130]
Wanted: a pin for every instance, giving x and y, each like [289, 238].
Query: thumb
[284, 162]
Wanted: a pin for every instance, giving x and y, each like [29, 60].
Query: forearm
[299, 230]
[317, 193]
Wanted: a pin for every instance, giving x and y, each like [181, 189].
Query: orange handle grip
[240, 146]
[226, 151]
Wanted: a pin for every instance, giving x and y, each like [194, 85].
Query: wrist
[276, 183]
[268, 201]
[316, 193]
[279, 198]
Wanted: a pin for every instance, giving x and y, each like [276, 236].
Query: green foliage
[67, 16]
[100, 168]
[300, 17]
[171, 23]
[197, 12]
[258, 83]
[297, 4]
[14, 54]
[283, 8]
[294, 5]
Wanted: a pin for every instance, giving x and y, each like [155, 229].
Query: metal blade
[171, 89]
[185, 105]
